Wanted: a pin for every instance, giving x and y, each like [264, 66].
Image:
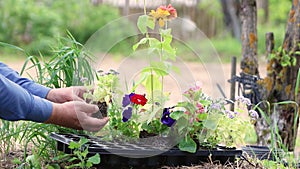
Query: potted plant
[138, 115]
[197, 122]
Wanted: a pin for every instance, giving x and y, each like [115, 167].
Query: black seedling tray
[125, 155]
[262, 152]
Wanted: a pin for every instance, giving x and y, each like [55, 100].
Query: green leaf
[284, 63]
[11, 46]
[74, 145]
[95, 159]
[182, 124]
[84, 153]
[142, 23]
[72, 159]
[188, 144]
[205, 102]
[177, 114]
[141, 42]
[153, 113]
[16, 161]
[212, 121]
[271, 56]
[53, 166]
[202, 116]
[88, 164]
[297, 84]
[83, 140]
[152, 83]
[293, 61]
[188, 106]
[154, 43]
[143, 78]
[160, 68]
[165, 32]
[150, 23]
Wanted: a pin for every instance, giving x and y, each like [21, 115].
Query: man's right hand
[76, 115]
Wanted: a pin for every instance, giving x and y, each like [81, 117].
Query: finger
[87, 108]
[79, 91]
[77, 98]
[95, 124]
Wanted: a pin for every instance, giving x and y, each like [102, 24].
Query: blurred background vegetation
[35, 25]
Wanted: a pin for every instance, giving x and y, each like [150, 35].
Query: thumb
[77, 98]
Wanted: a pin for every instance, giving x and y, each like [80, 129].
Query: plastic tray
[121, 152]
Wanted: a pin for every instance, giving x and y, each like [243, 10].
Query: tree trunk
[126, 8]
[249, 62]
[279, 85]
[231, 17]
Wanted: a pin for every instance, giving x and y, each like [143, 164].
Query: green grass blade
[11, 46]
[297, 85]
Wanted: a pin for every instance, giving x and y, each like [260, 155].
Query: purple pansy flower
[166, 119]
[127, 113]
[126, 100]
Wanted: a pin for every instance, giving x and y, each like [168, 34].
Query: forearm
[29, 85]
[17, 103]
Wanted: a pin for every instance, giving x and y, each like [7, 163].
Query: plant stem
[145, 10]
[152, 94]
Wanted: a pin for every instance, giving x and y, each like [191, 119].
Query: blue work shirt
[21, 98]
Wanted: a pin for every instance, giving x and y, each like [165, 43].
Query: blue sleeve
[16, 103]
[29, 85]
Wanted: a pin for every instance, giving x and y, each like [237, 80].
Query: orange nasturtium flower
[164, 13]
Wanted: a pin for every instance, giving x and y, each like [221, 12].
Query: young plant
[283, 57]
[207, 123]
[68, 65]
[80, 157]
[133, 112]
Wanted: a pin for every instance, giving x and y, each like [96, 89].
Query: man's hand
[67, 94]
[76, 115]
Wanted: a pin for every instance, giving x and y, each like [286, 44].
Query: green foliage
[207, 122]
[120, 130]
[297, 85]
[161, 50]
[69, 64]
[79, 157]
[284, 58]
[279, 10]
[188, 144]
[25, 23]
[212, 8]
[82, 18]
[35, 25]
[277, 143]
[106, 85]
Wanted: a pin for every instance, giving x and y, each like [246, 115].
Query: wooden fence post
[232, 82]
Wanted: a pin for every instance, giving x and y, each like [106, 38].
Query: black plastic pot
[120, 158]
[261, 152]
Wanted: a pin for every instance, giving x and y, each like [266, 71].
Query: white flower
[253, 114]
